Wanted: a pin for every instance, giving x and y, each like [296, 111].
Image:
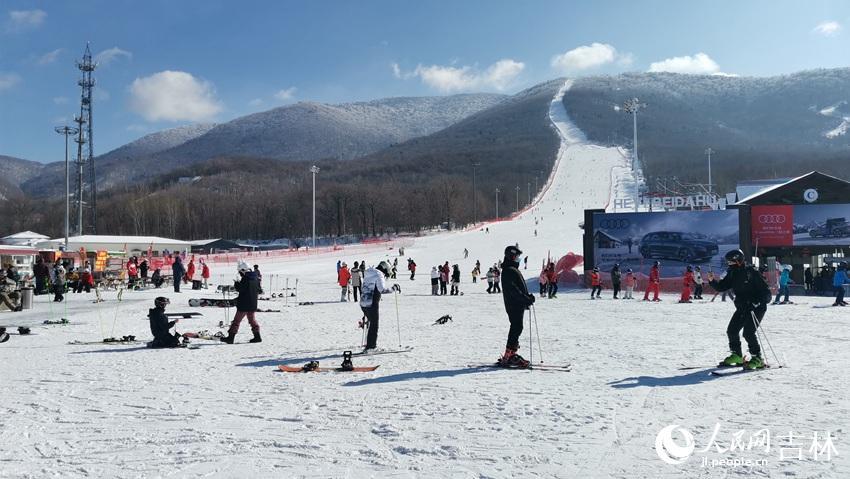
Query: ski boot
[4, 336]
[228, 339]
[256, 338]
[733, 359]
[755, 362]
[311, 366]
[346, 365]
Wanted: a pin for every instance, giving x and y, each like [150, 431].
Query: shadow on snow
[444, 373]
[690, 379]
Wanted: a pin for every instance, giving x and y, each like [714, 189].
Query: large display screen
[675, 239]
[800, 225]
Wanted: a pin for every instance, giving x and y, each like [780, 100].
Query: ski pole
[530, 341]
[757, 323]
[397, 320]
[537, 328]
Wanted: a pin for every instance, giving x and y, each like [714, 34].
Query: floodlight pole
[708, 152]
[497, 203]
[632, 106]
[474, 206]
[314, 169]
[67, 130]
[517, 198]
[529, 192]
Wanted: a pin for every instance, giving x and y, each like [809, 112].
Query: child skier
[374, 285]
[517, 300]
[697, 283]
[654, 283]
[160, 326]
[630, 284]
[687, 281]
[596, 283]
[751, 297]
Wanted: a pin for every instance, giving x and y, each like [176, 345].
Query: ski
[292, 369]
[375, 352]
[543, 367]
[204, 335]
[221, 303]
[716, 366]
[737, 370]
[123, 340]
[194, 314]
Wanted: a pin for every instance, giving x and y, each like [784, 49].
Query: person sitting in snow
[161, 326]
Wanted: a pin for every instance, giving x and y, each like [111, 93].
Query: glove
[531, 298]
[396, 288]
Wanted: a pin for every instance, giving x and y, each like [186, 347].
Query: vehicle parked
[681, 246]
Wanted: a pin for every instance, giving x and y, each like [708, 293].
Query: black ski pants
[515, 316]
[443, 290]
[616, 287]
[743, 319]
[839, 294]
[371, 314]
[356, 290]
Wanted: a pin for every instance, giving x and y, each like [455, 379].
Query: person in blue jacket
[784, 280]
[838, 284]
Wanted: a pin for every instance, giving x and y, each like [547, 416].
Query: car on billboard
[832, 228]
[677, 245]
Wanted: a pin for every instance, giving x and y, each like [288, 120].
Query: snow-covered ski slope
[225, 411]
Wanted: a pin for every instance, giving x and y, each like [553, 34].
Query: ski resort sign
[694, 202]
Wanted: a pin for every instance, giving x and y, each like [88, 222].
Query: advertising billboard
[675, 239]
[801, 225]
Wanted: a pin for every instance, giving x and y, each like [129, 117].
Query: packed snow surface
[225, 411]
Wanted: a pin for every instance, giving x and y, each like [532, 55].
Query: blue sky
[171, 63]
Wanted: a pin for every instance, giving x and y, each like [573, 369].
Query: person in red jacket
[687, 281]
[343, 278]
[596, 283]
[132, 273]
[205, 273]
[552, 280]
[654, 283]
[190, 270]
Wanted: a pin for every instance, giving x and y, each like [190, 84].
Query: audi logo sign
[772, 219]
[615, 224]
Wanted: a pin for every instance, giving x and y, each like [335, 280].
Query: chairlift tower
[85, 194]
[632, 106]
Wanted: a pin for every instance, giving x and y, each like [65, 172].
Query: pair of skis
[542, 367]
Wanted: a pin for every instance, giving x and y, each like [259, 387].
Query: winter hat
[242, 267]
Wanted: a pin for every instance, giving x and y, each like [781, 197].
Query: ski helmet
[596, 269]
[629, 270]
[690, 268]
[657, 263]
[735, 257]
[512, 252]
[161, 302]
[384, 267]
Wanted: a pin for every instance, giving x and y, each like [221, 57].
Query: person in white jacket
[435, 280]
[374, 285]
[698, 282]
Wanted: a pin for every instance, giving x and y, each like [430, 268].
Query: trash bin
[26, 298]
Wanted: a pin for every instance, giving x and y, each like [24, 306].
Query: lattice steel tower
[85, 194]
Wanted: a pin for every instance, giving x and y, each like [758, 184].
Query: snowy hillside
[225, 411]
[114, 166]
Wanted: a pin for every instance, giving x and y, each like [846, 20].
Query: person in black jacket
[517, 300]
[160, 326]
[751, 297]
[248, 287]
[616, 276]
[177, 271]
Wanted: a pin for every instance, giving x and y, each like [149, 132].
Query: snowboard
[291, 369]
[221, 303]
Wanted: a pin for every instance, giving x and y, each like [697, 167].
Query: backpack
[759, 285]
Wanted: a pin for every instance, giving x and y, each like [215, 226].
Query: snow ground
[224, 411]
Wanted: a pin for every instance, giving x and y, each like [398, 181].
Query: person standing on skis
[630, 284]
[784, 279]
[375, 285]
[343, 277]
[653, 285]
[697, 283]
[517, 300]
[595, 283]
[838, 280]
[616, 276]
[751, 297]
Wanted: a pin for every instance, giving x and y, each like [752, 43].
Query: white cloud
[49, 57]
[587, 57]
[285, 94]
[174, 96]
[699, 64]
[20, 20]
[8, 80]
[60, 100]
[105, 57]
[449, 78]
[256, 102]
[827, 29]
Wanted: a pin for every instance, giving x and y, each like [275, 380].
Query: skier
[444, 278]
[497, 277]
[687, 280]
[543, 280]
[455, 280]
[631, 280]
[596, 283]
[190, 270]
[698, 283]
[205, 273]
[343, 278]
[411, 266]
[177, 271]
[435, 281]
[132, 273]
[86, 280]
[476, 271]
[517, 300]
[616, 276]
[751, 297]
[838, 281]
[552, 281]
[654, 283]
[465, 253]
[525, 263]
[160, 326]
[784, 279]
[395, 268]
[356, 280]
[259, 278]
[143, 271]
[42, 275]
[248, 287]
[57, 277]
[490, 278]
[374, 285]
